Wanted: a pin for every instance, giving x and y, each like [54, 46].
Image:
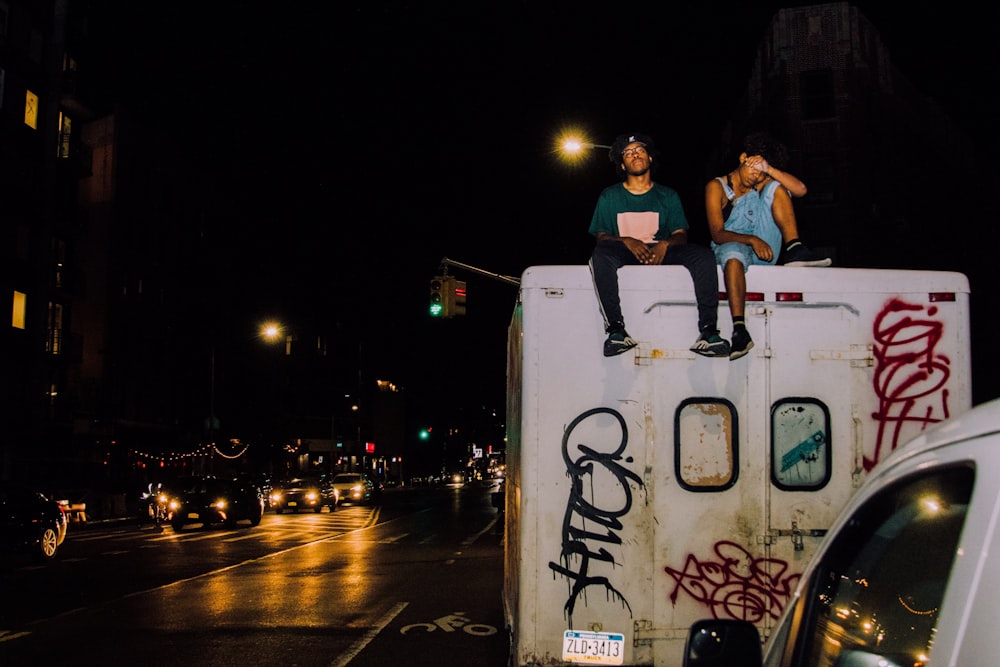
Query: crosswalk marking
[288, 527]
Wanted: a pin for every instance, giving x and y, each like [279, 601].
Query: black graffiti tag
[579, 543]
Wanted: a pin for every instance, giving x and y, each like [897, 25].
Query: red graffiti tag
[910, 376]
[737, 585]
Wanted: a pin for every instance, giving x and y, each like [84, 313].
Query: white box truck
[652, 489]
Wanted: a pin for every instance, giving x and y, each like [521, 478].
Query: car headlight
[220, 504]
[311, 495]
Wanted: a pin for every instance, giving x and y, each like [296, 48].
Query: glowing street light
[271, 331]
[573, 145]
[274, 332]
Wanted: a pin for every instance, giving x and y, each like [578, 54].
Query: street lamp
[272, 332]
[572, 146]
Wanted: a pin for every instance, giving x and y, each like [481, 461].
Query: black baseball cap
[623, 140]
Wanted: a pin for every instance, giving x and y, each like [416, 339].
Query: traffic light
[441, 296]
[458, 297]
[447, 297]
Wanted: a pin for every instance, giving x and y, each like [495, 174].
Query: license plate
[596, 648]
[193, 515]
[292, 503]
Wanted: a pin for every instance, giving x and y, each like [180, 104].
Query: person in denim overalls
[749, 213]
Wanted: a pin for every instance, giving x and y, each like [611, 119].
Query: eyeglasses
[631, 152]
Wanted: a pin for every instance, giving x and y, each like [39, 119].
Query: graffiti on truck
[591, 525]
[911, 375]
[735, 584]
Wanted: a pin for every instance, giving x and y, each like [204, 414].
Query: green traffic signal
[447, 297]
[442, 296]
[438, 302]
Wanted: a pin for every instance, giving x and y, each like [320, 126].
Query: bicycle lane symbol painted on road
[451, 623]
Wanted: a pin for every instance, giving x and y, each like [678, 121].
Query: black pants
[609, 256]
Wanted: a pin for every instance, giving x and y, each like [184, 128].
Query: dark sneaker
[800, 255]
[741, 344]
[711, 344]
[618, 341]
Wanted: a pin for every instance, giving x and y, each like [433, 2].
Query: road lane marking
[358, 646]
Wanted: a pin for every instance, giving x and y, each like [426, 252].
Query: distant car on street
[31, 523]
[262, 481]
[307, 494]
[355, 487]
[211, 500]
[455, 479]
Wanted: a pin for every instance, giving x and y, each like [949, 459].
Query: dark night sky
[363, 142]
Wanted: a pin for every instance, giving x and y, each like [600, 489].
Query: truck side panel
[651, 489]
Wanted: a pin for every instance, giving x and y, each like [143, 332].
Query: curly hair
[763, 144]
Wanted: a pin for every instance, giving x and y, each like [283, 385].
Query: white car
[907, 575]
[354, 487]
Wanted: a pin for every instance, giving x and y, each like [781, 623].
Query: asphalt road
[415, 580]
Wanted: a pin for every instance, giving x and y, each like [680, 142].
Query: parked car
[308, 493]
[31, 523]
[211, 500]
[355, 487]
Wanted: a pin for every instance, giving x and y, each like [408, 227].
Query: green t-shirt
[651, 216]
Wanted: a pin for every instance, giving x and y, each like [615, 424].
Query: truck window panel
[800, 444]
[706, 450]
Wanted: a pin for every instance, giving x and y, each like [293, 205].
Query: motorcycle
[153, 507]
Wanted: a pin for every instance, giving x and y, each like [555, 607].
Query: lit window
[31, 109]
[54, 342]
[65, 134]
[17, 318]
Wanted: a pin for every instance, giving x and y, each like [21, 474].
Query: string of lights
[203, 450]
[915, 611]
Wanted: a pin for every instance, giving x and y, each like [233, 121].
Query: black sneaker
[618, 341]
[741, 344]
[711, 344]
[800, 255]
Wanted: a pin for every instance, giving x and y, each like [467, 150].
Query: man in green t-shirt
[639, 221]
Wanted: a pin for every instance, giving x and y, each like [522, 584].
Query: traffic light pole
[445, 263]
